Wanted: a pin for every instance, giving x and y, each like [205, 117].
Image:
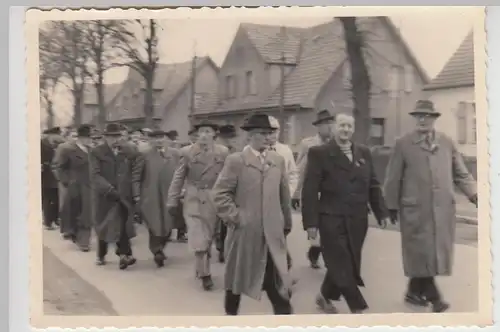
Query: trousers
[123, 246]
[351, 293]
[50, 205]
[157, 243]
[280, 305]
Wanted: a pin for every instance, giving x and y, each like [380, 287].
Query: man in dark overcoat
[339, 183]
[115, 170]
[73, 171]
[324, 123]
[422, 175]
[50, 194]
[160, 163]
[227, 137]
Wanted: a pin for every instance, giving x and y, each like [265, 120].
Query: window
[394, 81]
[377, 131]
[473, 131]
[462, 123]
[251, 84]
[408, 78]
[230, 87]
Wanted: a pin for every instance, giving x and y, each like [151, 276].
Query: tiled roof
[170, 79]
[320, 51]
[110, 92]
[270, 41]
[459, 70]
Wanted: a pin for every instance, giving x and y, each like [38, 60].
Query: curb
[467, 220]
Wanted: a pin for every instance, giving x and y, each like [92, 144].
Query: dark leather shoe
[160, 260]
[440, 306]
[124, 262]
[325, 305]
[417, 300]
[131, 260]
[207, 283]
[221, 257]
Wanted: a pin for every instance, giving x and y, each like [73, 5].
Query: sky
[432, 35]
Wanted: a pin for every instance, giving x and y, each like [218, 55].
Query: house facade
[316, 75]
[172, 89]
[452, 92]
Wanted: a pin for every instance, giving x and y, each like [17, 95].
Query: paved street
[144, 289]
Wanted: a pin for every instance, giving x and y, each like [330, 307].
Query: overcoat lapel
[269, 163]
[338, 157]
[251, 159]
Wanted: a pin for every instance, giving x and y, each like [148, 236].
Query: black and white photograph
[306, 163]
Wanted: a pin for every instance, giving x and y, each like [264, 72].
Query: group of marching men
[242, 199]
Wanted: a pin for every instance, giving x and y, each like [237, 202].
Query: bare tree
[73, 56]
[140, 52]
[360, 79]
[49, 73]
[103, 50]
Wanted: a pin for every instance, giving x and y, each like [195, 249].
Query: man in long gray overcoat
[198, 170]
[423, 171]
[252, 197]
[115, 172]
[73, 170]
[160, 163]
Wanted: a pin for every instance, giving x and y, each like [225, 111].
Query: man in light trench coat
[198, 170]
[423, 171]
[252, 196]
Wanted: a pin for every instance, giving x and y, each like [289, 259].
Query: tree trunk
[77, 106]
[99, 86]
[149, 101]
[50, 113]
[360, 80]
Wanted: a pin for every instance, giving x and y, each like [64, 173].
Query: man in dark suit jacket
[50, 195]
[115, 171]
[339, 183]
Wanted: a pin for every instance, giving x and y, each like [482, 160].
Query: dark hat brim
[209, 125]
[112, 133]
[325, 119]
[434, 114]
[248, 128]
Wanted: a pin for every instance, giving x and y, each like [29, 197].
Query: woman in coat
[198, 170]
[252, 197]
[423, 171]
[342, 173]
[160, 163]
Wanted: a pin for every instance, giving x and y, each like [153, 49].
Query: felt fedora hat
[425, 107]
[323, 116]
[113, 129]
[84, 131]
[258, 121]
[227, 131]
[206, 123]
[157, 133]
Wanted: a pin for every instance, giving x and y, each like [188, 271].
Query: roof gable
[90, 93]
[459, 70]
[272, 41]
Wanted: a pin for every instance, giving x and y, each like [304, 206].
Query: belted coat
[121, 173]
[196, 174]
[156, 177]
[253, 199]
[420, 183]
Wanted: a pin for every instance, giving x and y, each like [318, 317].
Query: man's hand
[114, 195]
[295, 203]
[384, 222]
[172, 210]
[473, 200]
[393, 215]
[312, 232]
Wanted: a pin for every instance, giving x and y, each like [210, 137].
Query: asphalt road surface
[143, 289]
